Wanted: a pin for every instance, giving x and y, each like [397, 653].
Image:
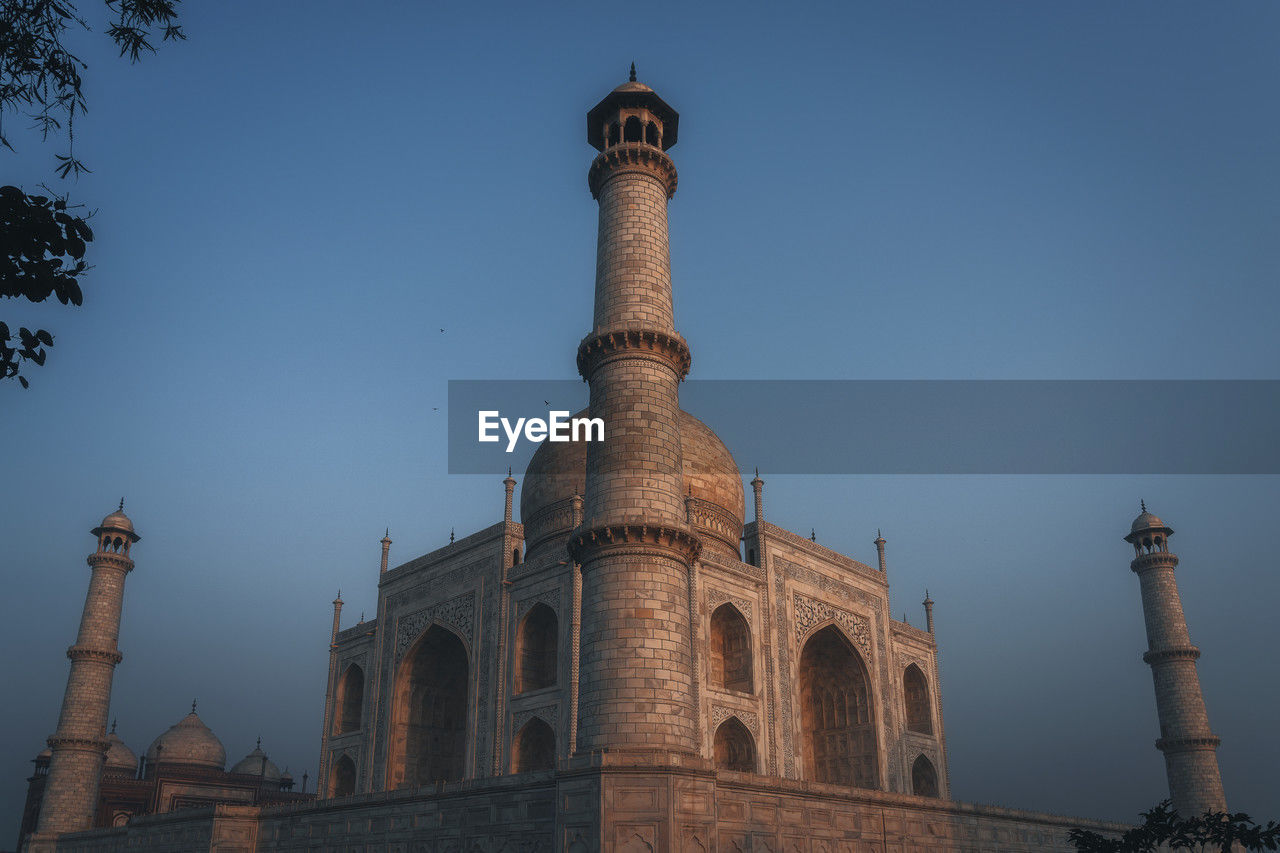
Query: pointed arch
[734, 748]
[349, 700]
[836, 713]
[429, 712]
[730, 650]
[342, 778]
[537, 649]
[924, 778]
[534, 747]
[915, 690]
[632, 129]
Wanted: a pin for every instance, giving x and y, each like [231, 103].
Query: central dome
[558, 471]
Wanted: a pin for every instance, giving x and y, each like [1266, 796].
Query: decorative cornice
[109, 656]
[83, 744]
[109, 560]
[594, 539]
[632, 158]
[603, 346]
[1186, 744]
[1154, 560]
[715, 521]
[1162, 655]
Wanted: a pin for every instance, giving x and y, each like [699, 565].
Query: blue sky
[289, 207]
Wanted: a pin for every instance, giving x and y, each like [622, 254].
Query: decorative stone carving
[549, 714]
[750, 719]
[807, 613]
[458, 613]
[829, 585]
[549, 597]
[716, 597]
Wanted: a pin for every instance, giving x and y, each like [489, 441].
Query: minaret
[322, 776]
[386, 549]
[879, 543]
[634, 546]
[1189, 747]
[80, 743]
[928, 611]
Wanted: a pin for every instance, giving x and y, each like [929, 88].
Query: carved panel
[458, 613]
[549, 597]
[824, 583]
[719, 713]
[807, 613]
[549, 714]
[716, 597]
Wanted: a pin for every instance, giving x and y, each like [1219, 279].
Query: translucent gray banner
[923, 426]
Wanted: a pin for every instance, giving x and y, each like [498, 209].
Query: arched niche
[734, 748]
[342, 778]
[730, 650]
[915, 691]
[534, 747]
[537, 649]
[924, 778]
[836, 716]
[349, 700]
[429, 714]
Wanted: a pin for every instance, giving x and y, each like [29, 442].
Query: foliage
[1163, 829]
[43, 241]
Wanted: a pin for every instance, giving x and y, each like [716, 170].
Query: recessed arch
[537, 649]
[342, 778]
[429, 729]
[924, 778]
[915, 691]
[651, 135]
[730, 650]
[349, 700]
[836, 715]
[733, 747]
[632, 129]
[534, 747]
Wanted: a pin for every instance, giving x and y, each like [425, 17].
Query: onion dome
[558, 471]
[256, 763]
[188, 741]
[119, 756]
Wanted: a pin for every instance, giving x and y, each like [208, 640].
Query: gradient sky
[290, 205]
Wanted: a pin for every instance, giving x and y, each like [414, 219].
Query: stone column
[79, 745]
[1188, 744]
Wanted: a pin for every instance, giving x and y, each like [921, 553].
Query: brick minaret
[80, 743]
[1189, 747]
[634, 546]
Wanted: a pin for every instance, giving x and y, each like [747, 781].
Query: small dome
[188, 741]
[1146, 521]
[256, 763]
[44, 754]
[119, 755]
[633, 86]
[117, 521]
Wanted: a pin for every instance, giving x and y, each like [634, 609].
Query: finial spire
[113, 725]
[508, 470]
[813, 535]
[450, 535]
[633, 72]
[1143, 504]
[259, 742]
[193, 706]
[121, 505]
